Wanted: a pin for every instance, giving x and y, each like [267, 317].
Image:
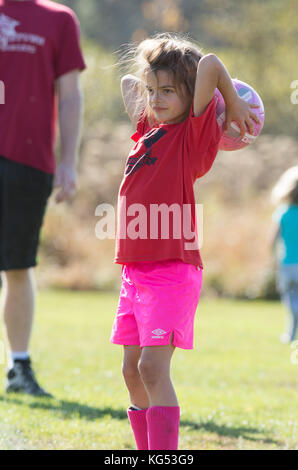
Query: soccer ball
[231, 139]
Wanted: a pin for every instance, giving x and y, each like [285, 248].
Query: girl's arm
[274, 235]
[130, 94]
[212, 74]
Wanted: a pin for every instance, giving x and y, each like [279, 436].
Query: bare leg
[18, 300]
[163, 415]
[154, 368]
[136, 389]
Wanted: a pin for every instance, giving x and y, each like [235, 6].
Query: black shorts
[24, 192]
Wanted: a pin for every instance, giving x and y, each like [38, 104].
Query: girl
[171, 103]
[285, 231]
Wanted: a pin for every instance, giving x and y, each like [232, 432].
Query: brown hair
[293, 196]
[169, 52]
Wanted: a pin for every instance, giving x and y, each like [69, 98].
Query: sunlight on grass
[237, 388]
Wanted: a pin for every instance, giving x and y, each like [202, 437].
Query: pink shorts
[157, 304]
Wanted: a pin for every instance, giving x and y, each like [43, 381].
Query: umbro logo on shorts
[158, 333]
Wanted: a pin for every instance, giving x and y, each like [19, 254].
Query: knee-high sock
[163, 427]
[138, 423]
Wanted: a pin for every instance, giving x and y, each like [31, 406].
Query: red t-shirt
[161, 169]
[39, 42]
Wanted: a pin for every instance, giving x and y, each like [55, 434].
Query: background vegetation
[258, 40]
[258, 43]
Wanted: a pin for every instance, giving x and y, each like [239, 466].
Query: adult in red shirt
[40, 61]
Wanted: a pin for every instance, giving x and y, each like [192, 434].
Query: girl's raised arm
[212, 74]
[130, 86]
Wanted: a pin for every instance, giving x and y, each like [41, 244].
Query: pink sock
[163, 427]
[138, 423]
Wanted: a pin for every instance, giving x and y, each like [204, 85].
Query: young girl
[171, 103]
[285, 246]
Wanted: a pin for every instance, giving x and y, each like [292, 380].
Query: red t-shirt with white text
[39, 42]
[156, 203]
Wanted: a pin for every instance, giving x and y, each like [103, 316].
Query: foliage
[101, 85]
[258, 41]
[235, 195]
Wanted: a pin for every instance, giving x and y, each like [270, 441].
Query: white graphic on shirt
[158, 333]
[8, 35]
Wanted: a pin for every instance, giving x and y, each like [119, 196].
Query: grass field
[237, 389]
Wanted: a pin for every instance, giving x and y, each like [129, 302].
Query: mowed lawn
[237, 388]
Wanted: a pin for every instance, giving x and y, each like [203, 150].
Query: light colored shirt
[287, 217]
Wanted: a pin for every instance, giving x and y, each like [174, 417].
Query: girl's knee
[130, 371]
[149, 370]
[130, 363]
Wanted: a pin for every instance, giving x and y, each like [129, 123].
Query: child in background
[285, 246]
[171, 103]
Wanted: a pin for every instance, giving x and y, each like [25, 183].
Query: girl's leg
[163, 416]
[137, 392]
[291, 300]
[154, 368]
[138, 396]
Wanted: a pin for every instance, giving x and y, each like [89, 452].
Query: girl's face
[166, 103]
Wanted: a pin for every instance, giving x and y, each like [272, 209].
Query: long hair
[286, 188]
[169, 52]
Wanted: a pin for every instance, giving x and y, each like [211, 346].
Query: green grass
[237, 389]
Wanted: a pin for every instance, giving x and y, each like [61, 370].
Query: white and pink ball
[231, 139]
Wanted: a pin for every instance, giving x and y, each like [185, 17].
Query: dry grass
[237, 216]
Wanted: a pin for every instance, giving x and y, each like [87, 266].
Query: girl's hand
[240, 112]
